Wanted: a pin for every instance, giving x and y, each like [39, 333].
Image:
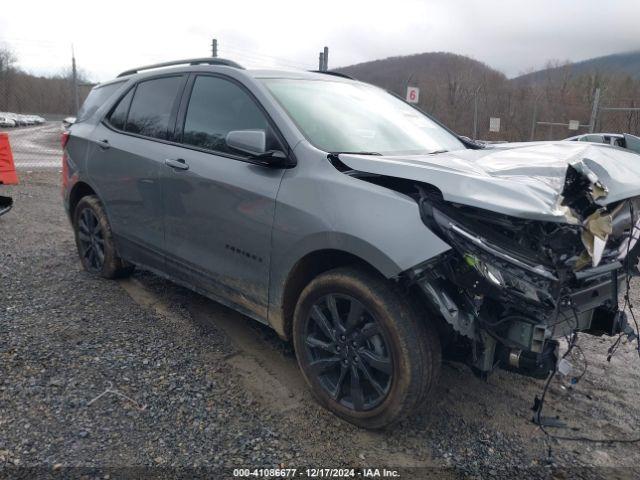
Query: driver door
[219, 205]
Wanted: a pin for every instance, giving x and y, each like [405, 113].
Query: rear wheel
[94, 240]
[362, 349]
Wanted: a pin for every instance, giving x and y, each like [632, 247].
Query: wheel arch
[78, 191]
[303, 272]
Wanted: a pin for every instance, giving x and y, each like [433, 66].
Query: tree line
[451, 85]
[452, 88]
[22, 92]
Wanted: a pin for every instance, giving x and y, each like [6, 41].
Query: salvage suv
[353, 224]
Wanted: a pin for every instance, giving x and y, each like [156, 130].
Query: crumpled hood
[524, 180]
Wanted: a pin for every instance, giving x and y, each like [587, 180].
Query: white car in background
[6, 122]
[20, 120]
[28, 120]
[622, 140]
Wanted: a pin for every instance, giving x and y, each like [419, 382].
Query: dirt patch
[223, 391]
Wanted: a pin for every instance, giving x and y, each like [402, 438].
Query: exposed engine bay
[510, 286]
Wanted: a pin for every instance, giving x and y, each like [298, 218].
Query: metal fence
[31, 112]
[32, 107]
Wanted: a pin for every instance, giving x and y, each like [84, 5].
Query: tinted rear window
[151, 107]
[118, 116]
[96, 98]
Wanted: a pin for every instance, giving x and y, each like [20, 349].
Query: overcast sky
[512, 36]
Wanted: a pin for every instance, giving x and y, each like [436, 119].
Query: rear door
[218, 204]
[129, 150]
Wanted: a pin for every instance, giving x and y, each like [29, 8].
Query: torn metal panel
[526, 180]
[462, 320]
[539, 236]
[511, 286]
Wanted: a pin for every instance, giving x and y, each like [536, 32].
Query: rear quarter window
[118, 117]
[96, 99]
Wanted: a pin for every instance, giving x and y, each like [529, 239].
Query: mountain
[424, 69]
[624, 63]
[464, 93]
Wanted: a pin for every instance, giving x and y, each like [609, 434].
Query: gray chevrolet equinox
[353, 224]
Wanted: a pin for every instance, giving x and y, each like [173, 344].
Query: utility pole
[475, 114]
[321, 62]
[74, 79]
[325, 59]
[534, 120]
[594, 111]
[214, 47]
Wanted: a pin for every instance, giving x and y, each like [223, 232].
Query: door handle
[178, 164]
[104, 144]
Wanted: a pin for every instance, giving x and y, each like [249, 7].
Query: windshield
[355, 117]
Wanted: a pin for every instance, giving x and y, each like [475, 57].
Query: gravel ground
[105, 375]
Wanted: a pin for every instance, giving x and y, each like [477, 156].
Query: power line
[264, 57]
[258, 58]
[253, 53]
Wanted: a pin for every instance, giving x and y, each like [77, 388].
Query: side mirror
[253, 142]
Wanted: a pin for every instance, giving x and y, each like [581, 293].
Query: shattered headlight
[501, 268]
[500, 253]
[503, 278]
[487, 270]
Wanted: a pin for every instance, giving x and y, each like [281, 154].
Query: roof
[215, 63]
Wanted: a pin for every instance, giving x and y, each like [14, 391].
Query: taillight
[64, 139]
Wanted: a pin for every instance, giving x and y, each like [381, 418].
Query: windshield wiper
[435, 152]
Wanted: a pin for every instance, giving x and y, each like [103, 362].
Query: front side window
[355, 117]
[151, 107]
[216, 107]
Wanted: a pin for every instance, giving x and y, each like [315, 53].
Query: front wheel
[94, 240]
[362, 349]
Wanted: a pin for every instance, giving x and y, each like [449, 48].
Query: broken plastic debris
[564, 367]
[598, 227]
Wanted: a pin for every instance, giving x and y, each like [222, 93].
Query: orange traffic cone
[7, 168]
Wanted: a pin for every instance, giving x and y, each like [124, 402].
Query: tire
[94, 240]
[395, 357]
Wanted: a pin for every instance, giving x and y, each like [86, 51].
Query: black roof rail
[189, 61]
[335, 74]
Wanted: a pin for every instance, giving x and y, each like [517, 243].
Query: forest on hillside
[450, 88]
[450, 85]
[21, 92]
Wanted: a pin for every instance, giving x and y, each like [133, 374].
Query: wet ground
[104, 374]
[36, 147]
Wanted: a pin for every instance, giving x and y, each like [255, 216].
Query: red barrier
[8, 174]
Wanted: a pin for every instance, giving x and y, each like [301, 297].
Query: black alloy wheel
[94, 239]
[348, 352]
[363, 349]
[91, 240]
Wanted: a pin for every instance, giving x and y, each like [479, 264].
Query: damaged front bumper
[509, 289]
[542, 236]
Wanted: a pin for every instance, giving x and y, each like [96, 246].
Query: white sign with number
[413, 94]
[494, 124]
[574, 124]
